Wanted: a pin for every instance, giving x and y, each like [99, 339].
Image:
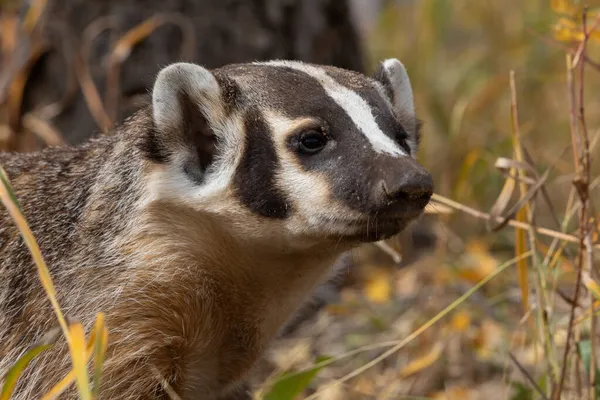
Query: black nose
[408, 192]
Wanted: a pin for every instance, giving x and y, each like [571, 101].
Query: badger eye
[312, 141]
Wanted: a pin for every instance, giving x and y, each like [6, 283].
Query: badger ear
[185, 108]
[392, 75]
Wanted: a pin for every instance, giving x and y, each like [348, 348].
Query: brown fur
[181, 295]
[195, 281]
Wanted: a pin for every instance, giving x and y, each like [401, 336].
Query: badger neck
[192, 250]
[223, 298]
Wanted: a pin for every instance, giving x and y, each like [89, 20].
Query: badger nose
[407, 192]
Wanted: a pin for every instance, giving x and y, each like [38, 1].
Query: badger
[206, 219]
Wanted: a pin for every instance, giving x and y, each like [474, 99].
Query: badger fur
[203, 222]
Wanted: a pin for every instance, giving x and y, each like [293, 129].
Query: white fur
[203, 89]
[403, 104]
[353, 104]
[197, 82]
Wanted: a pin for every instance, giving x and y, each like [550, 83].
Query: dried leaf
[591, 284]
[503, 198]
[423, 362]
[460, 321]
[453, 393]
[378, 287]
[564, 7]
[478, 262]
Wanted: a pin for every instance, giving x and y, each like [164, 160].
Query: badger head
[290, 153]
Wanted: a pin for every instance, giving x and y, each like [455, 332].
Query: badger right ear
[392, 74]
[185, 108]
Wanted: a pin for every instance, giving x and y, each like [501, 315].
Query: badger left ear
[186, 108]
[392, 75]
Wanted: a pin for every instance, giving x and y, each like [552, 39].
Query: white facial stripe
[353, 104]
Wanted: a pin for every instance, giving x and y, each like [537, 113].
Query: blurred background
[71, 69]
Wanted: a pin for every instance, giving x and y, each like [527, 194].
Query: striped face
[290, 151]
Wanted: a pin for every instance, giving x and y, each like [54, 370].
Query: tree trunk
[207, 32]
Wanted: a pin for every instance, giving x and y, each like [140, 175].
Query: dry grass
[507, 90]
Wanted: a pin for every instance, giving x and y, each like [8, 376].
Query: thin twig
[528, 209]
[565, 48]
[581, 161]
[515, 224]
[401, 344]
[390, 251]
[527, 376]
[585, 177]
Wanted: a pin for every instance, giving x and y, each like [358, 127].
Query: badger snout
[404, 191]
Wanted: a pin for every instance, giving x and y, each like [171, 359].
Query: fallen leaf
[378, 288]
[423, 362]
[591, 284]
[460, 321]
[478, 263]
[453, 393]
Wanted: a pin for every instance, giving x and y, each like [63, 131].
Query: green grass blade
[13, 374]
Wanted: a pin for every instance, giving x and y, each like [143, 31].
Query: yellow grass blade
[60, 387]
[12, 205]
[64, 384]
[79, 360]
[101, 342]
[521, 248]
[523, 213]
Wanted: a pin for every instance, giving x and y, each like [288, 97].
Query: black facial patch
[254, 179]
